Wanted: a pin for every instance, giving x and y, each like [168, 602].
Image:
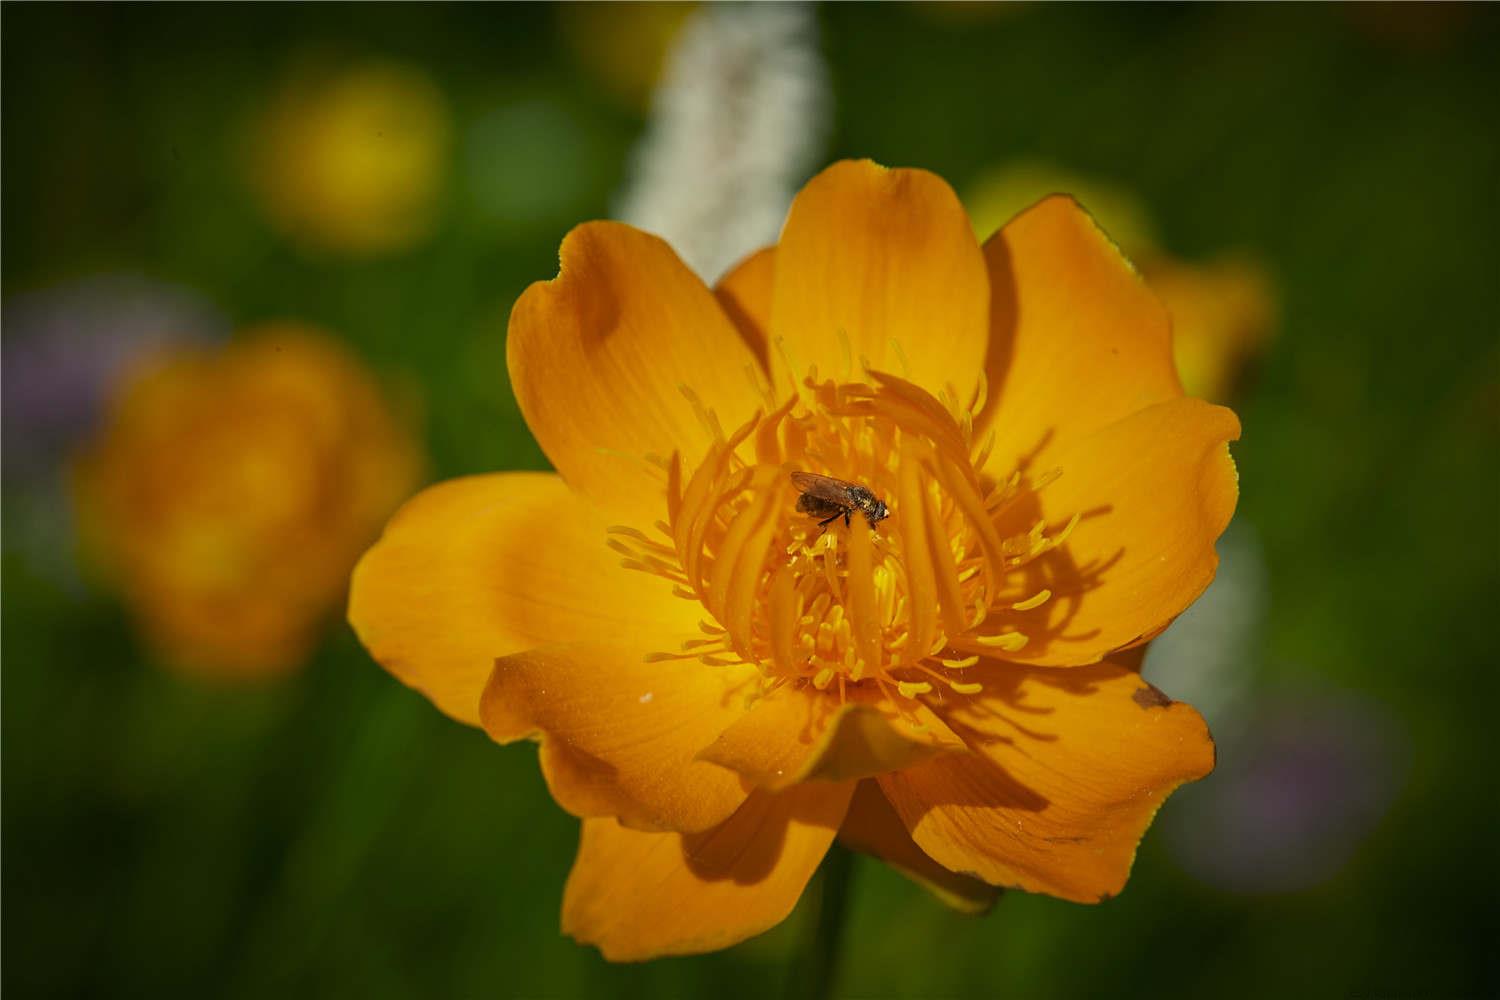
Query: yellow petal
[1068, 769]
[794, 735]
[872, 256]
[631, 730]
[638, 895]
[1154, 492]
[744, 293]
[485, 566]
[872, 827]
[598, 357]
[1077, 340]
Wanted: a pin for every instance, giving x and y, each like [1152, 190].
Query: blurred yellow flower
[229, 492]
[353, 161]
[1223, 316]
[1000, 194]
[623, 45]
[1223, 312]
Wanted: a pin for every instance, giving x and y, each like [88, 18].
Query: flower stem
[816, 964]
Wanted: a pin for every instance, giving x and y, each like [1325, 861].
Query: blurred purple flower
[1297, 790]
[66, 345]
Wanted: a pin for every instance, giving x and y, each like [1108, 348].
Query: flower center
[899, 606]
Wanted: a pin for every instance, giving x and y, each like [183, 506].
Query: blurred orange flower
[352, 161]
[229, 493]
[1224, 312]
[1224, 315]
[718, 687]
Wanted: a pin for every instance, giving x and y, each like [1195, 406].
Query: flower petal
[599, 355]
[1077, 340]
[638, 895]
[630, 730]
[744, 293]
[1068, 769]
[1153, 493]
[871, 256]
[872, 827]
[795, 735]
[485, 566]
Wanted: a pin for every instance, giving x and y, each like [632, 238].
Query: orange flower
[229, 493]
[717, 688]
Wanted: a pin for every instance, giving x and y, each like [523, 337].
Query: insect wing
[823, 487]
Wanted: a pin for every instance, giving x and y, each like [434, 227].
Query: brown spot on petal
[1150, 697]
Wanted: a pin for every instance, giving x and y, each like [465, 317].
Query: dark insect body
[829, 499]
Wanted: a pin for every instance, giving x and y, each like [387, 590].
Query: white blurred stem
[737, 124]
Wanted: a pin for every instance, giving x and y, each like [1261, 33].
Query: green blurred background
[332, 834]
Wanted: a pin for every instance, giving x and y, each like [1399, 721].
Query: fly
[830, 499]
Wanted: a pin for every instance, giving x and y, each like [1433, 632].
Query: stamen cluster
[847, 608]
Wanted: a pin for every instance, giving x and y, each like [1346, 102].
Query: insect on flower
[830, 499]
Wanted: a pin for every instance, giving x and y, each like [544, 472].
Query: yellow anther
[1008, 641]
[787, 359]
[1046, 479]
[949, 398]
[981, 396]
[967, 661]
[900, 353]
[1062, 536]
[960, 688]
[1036, 601]
[983, 455]
[910, 689]
[848, 350]
[823, 678]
